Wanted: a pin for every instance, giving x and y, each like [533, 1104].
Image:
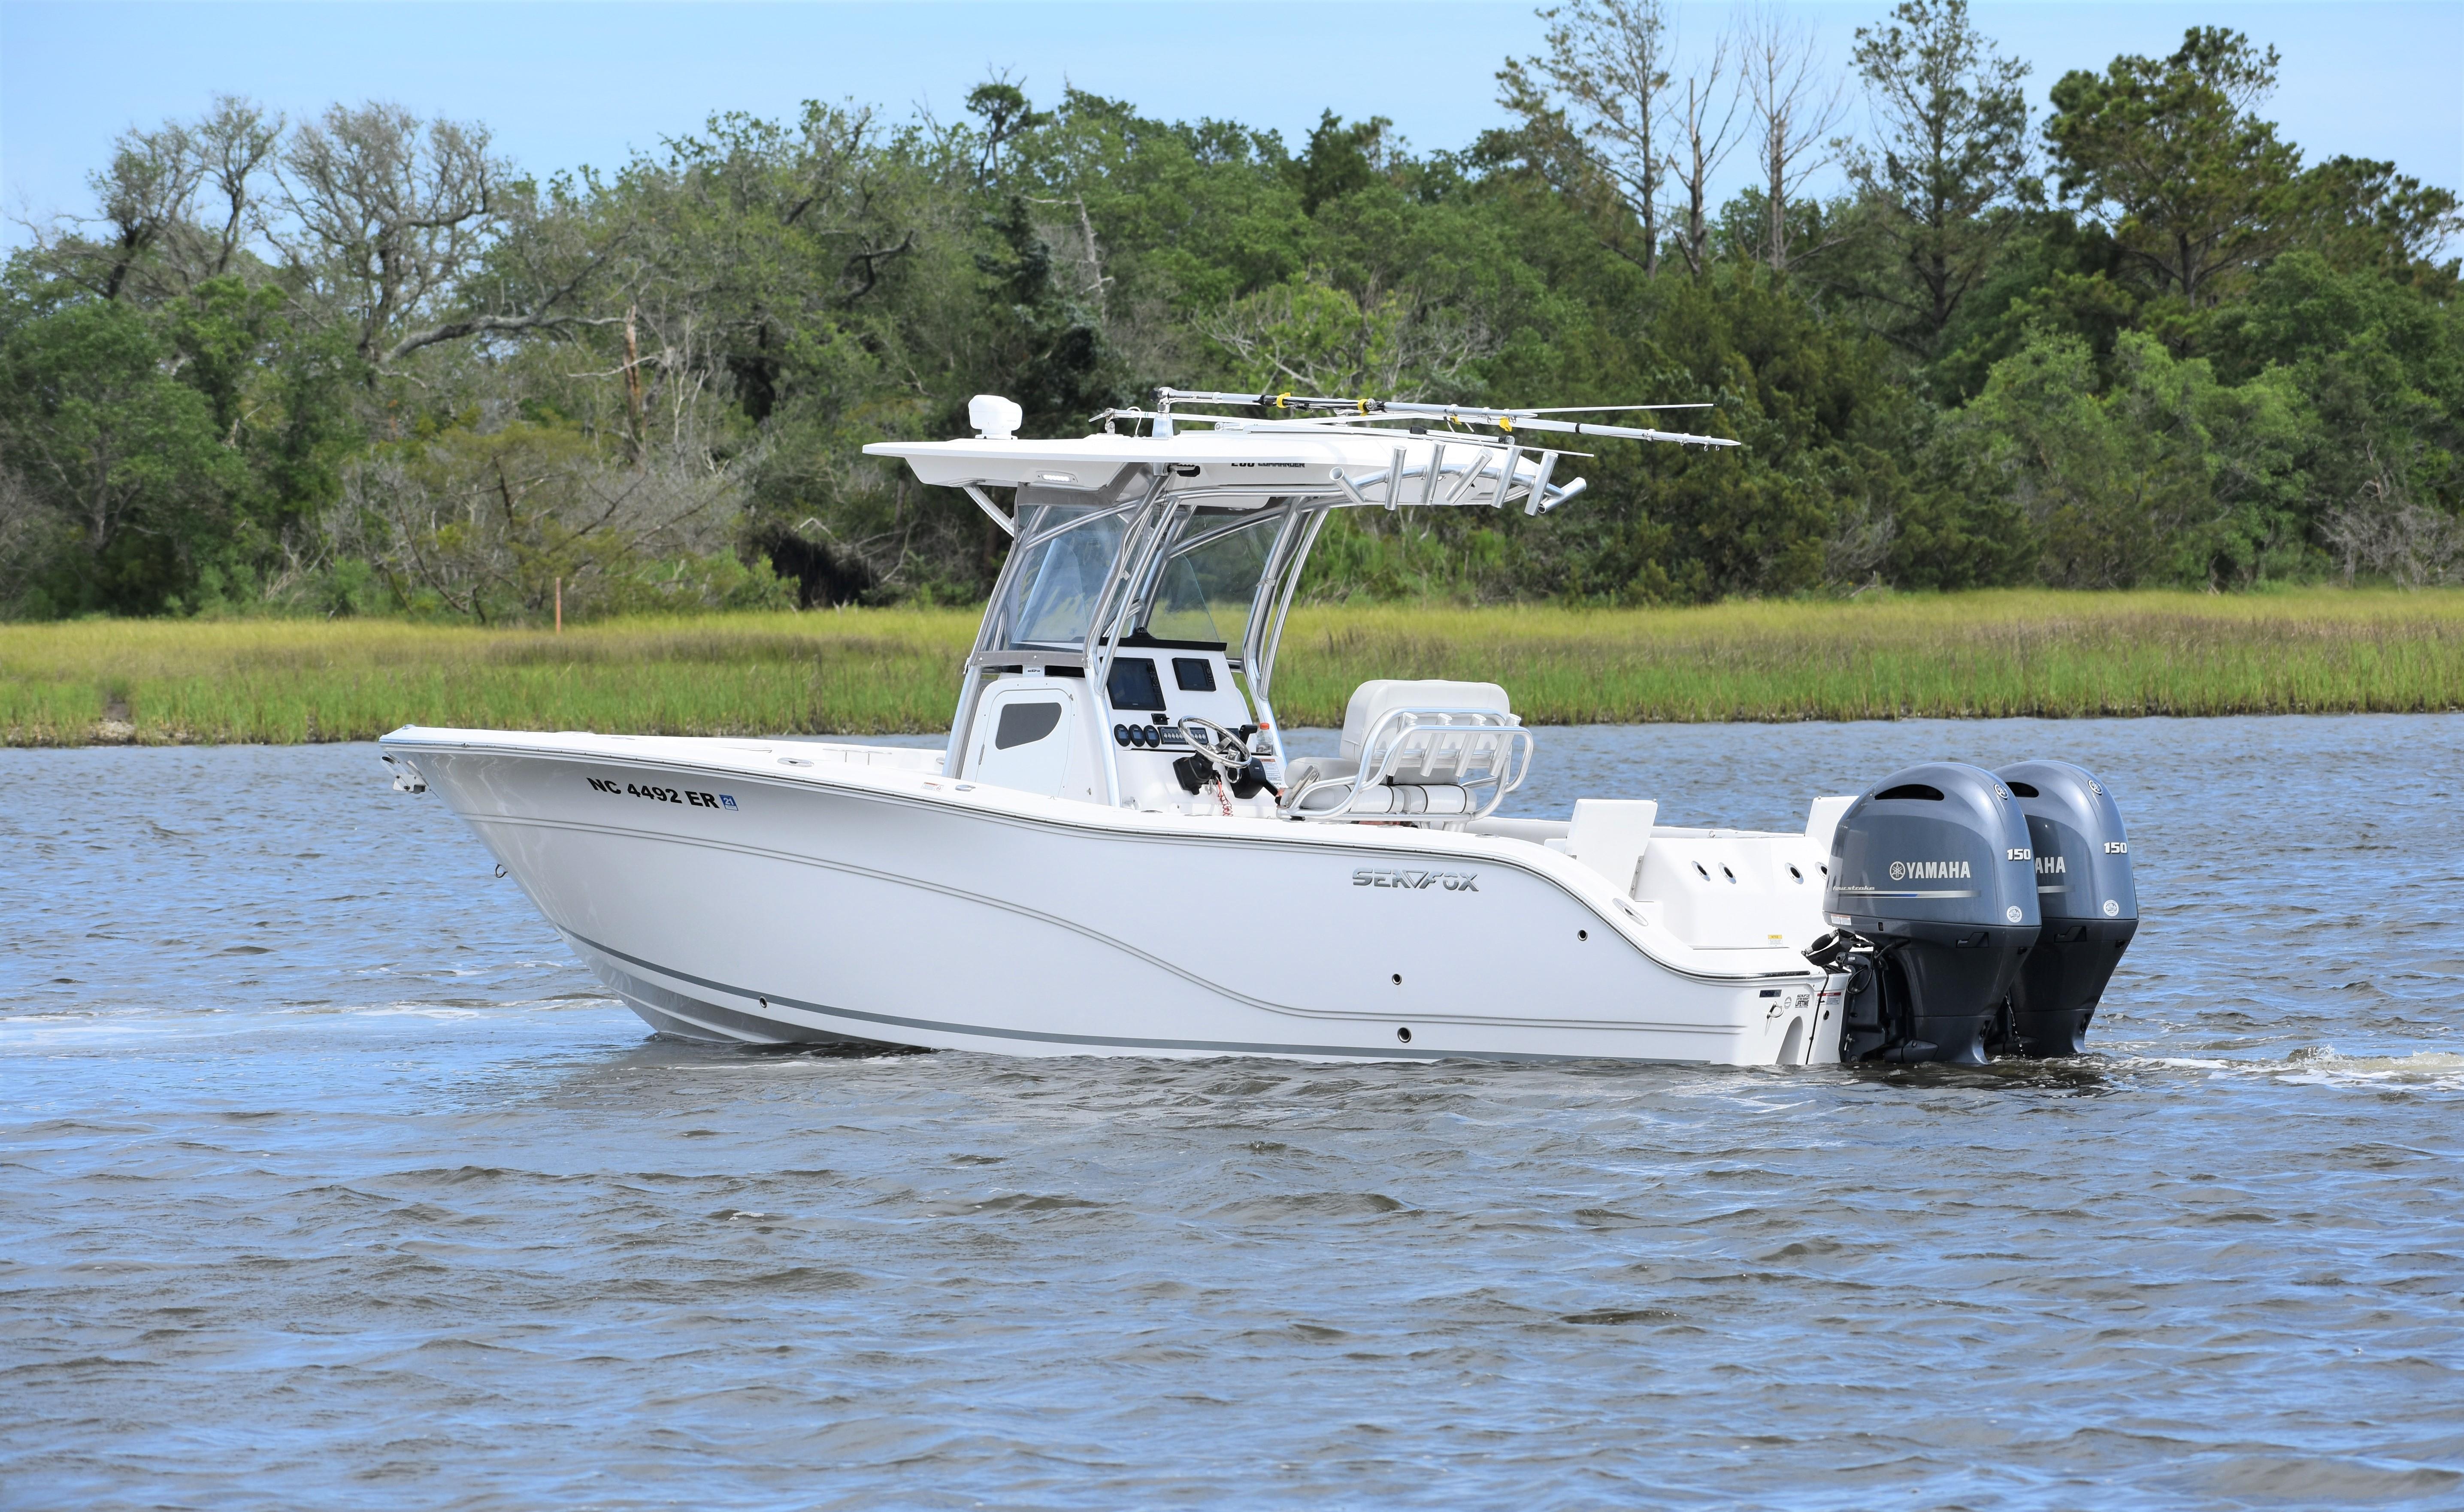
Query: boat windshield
[1210, 577]
[1070, 553]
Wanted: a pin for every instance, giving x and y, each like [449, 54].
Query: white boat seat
[1374, 700]
[1422, 746]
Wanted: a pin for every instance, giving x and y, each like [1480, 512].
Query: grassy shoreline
[884, 670]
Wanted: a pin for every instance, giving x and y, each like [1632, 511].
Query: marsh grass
[1984, 655]
[884, 670]
[279, 681]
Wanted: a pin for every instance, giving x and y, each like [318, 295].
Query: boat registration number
[663, 794]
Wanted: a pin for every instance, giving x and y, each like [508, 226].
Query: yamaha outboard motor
[2087, 898]
[1932, 867]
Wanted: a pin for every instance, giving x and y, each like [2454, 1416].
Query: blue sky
[588, 80]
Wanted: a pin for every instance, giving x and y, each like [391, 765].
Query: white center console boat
[1116, 855]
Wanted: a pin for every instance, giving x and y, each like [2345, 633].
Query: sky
[590, 81]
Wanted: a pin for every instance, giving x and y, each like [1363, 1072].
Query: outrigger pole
[1507, 421]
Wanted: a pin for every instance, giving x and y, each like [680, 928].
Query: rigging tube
[1266, 674]
[1538, 498]
[1565, 492]
[1469, 480]
[990, 508]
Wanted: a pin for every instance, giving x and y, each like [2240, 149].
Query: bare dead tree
[1798, 104]
[1078, 247]
[2384, 528]
[394, 219]
[1607, 68]
[488, 523]
[1858, 543]
[635, 425]
[1704, 122]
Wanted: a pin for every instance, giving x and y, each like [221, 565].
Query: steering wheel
[1224, 748]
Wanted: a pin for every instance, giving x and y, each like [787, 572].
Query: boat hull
[725, 894]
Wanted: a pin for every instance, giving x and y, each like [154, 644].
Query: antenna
[1599, 409]
[1505, 419]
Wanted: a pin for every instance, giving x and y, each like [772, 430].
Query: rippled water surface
[328, 1178]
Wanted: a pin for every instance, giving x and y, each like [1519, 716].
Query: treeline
[362, 364]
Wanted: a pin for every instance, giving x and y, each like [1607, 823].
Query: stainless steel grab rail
[1433, 748]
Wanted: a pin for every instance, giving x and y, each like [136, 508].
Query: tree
[2169, 476]
[1795, 112]
[157, 241]
[127, 454]
[148, 189]
[495, 526]
[1341, 160]
[365, 365]
[1952, 125]
[2383, 370]
[1006, 115]
[2169, 158]
[1606, 69]
[390, 217]
[2363, 213]
[1705, 143]
[34, 540]
[234, 144]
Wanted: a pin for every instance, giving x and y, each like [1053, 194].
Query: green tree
[2383, 370]
[2363, 213]
[1007, 115]
[1341, 159]
[1949, 163]
[125, 454]
[2167, 156]
[2167, 477]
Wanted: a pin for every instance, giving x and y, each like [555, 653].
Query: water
[328, 1180]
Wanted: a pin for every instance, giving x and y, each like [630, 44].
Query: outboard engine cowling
[1931, 867]
[2086, 896]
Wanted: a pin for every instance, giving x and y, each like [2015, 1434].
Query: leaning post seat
[1424, 748]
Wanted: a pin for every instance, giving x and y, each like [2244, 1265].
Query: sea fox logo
[1930, 871]
[1451, 881]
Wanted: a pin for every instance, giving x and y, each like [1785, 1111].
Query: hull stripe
[1108, 1041]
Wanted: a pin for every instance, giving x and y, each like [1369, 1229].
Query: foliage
[2170, 158]
[364, 365]
[1950, 161]
[2169, 476]
[93, 422]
